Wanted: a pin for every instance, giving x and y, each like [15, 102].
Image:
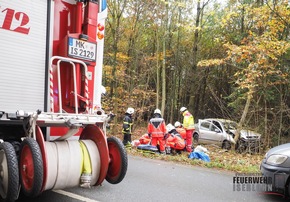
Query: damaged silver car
[222, 131]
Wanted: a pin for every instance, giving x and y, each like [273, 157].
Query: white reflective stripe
[157, 132]
[156, 119]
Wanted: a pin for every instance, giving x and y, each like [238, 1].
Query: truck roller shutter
[23, 38]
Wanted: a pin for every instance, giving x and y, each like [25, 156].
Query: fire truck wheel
[41, 143]
[9, 177]
[118, 161]
[31, 168]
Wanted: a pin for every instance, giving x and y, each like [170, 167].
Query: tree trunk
[265, 123]
[157, 70]
[196, 33]
[164, 62]
[280, 117]
[243, 118]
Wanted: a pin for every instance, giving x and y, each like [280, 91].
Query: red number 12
[20, 17]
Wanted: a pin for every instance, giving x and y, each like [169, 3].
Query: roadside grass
[219, 159]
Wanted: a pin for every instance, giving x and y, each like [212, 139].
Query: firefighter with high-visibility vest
[188, 124]
[157, 130]
[127, 126]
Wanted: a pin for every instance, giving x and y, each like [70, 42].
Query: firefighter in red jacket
[180, 129]
[174, 140]
[157, 130]
[188, 124]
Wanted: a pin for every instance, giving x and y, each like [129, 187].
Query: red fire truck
[52, 125]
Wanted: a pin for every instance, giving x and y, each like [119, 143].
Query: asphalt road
[154, 180]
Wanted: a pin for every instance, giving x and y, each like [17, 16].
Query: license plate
[82, 49]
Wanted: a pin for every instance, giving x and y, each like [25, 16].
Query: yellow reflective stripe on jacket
[129, 129]
[188, 120]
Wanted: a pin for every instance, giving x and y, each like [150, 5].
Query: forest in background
[220, 60]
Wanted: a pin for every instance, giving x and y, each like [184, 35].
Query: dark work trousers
[127, 138]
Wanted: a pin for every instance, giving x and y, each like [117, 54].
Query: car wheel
[195, 138]
[226, 145]
[241, 146]
[287, 189]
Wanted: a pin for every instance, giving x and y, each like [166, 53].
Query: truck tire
[30, 167]
[9, 178]
[118, 161]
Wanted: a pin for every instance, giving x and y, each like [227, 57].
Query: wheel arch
[226, 144]
[94, 133]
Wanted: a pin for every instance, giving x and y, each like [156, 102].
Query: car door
[208, 132]
[218, 134]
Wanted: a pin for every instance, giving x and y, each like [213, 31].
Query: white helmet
[177, 124]
[169, 127]
[157, 111]
[130, 110]
[182, 109]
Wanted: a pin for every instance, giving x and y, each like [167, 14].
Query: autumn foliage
[227, 60]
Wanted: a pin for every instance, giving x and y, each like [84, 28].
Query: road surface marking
[75, 196]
